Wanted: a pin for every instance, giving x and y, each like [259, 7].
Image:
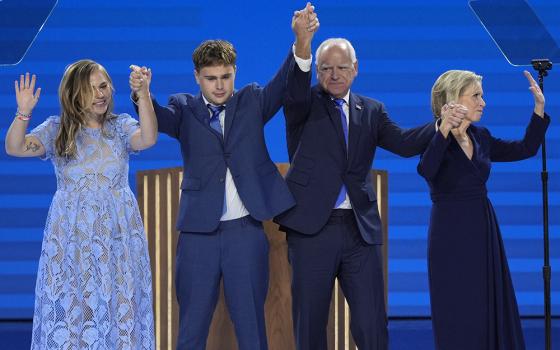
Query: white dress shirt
[234, 205]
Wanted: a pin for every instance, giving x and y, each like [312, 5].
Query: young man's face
[216, 83]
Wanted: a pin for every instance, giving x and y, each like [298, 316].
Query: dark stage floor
[404, 334]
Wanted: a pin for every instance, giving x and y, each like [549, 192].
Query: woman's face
[102, 93]
[472, 99]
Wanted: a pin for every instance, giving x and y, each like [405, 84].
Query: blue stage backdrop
[402, 46]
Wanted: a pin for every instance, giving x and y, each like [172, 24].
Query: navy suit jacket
[206, 155]
[320, 161]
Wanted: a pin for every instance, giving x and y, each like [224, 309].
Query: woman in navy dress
[472, 299]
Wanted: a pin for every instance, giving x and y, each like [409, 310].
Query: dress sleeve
[46, 133]
[509, 151]
[126, 126]
[430, 160]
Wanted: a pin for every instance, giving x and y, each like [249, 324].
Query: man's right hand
[304, 25]
[139, 81]
[452, 115]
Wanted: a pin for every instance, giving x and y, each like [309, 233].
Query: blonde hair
[76, 95]
[449, 86]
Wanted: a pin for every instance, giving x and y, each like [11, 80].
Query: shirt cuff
[135, 100]
[303, 64]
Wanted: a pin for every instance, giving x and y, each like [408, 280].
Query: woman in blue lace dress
[93, 286]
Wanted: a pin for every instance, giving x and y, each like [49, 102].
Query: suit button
[221, 179]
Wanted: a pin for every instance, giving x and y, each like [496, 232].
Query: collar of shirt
[206, 103]
[346, 98]
[345, 106]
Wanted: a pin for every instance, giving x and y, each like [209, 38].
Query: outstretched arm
[410, 142]
[297, 66]
[146, 135]
[168, 118]
[298, 98]
[17, 142]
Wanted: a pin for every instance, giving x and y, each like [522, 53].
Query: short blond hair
[449, 86]
[213, 53]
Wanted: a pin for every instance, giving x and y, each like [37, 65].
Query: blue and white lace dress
[94, 286]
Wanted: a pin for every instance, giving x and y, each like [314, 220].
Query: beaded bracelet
[23, 116]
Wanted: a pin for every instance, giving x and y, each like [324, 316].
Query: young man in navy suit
[334, 231]
[229, 186]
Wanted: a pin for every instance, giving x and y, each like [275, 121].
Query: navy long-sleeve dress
[472, 299]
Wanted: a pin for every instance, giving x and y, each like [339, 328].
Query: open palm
[26, 95]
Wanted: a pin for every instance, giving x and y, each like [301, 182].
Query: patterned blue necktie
[339, 104]
[215, 124]
[215, 118]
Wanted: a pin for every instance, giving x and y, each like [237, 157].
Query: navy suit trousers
[337, 251]
[237, 252]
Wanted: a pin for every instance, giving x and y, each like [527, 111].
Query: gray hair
[449, 86]
[343, 43]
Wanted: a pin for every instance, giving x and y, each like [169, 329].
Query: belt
[340, 215]
[240, 222]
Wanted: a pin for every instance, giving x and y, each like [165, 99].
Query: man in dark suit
[229, 186]
[334, 231]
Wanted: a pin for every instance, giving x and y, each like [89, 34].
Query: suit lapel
[231, 106]
[200, 111]
[355, 110]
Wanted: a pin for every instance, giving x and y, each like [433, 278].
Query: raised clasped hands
[537, 94]
[26, 95]
[453, 115]
[139, 81]
[305, 23]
